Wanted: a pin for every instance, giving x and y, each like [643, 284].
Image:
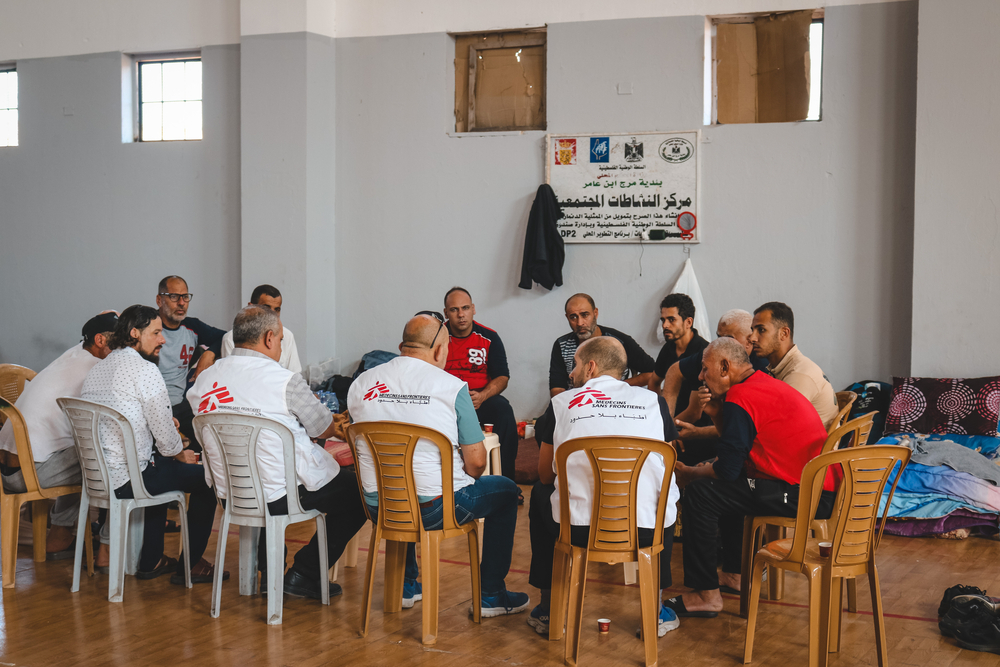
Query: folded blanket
[953, 455]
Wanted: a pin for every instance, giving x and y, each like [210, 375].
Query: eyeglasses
[433, 340]
[174, 298]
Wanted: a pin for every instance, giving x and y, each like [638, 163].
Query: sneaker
[668, 621]
[964, 609]
[981, 633]
[412, 592]
[539, 619]
[951, 593]
[503, 603]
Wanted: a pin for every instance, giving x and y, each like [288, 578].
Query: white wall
[956, 277]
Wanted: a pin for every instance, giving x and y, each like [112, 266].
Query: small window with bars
[170, 100]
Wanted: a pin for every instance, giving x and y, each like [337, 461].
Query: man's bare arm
[474, 457]
[672, 386]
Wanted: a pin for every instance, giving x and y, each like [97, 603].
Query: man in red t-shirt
[476, 355]
[768, 431]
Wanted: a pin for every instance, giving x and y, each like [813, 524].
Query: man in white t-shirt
[252, 382]
[438, 400]
[56, 461]
[600, 405]
[269, 297]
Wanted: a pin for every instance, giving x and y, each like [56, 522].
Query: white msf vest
[415, 392]
[606, 406]
[245, 385]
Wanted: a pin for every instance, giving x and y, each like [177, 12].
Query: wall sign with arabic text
[625, 188]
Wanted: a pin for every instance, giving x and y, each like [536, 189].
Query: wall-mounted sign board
[625, 188]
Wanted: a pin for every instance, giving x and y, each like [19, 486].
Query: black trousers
[184, 415]
[496, 410]
[169, 474]
[714, 507]
[340, 500]
[544, 532]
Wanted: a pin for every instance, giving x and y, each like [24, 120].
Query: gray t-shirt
[176, 353]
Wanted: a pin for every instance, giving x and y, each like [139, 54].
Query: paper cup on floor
[604, 625]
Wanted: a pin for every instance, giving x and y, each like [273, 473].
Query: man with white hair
[768, 432]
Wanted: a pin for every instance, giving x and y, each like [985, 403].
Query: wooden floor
[42, 623]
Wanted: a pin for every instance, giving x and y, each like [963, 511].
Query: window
[8, 106]
[500, 81]
[767, 67]
[170, 99]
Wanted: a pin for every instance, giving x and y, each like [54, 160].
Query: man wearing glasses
[184, 336]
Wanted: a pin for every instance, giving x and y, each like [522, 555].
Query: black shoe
[165, 565]
[966, 609]
[981, 633]
[306, 587]
[951, 593]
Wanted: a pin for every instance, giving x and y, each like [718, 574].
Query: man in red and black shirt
[476, 355]
[768, 431]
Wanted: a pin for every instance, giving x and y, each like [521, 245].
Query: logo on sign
[633, 151]
[566, 151]
[477, 357]
[376, 391]
[600, 149]
[210, 400]
[676, 150]
[588, 396]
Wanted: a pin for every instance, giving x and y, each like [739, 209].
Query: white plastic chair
[246, 506]
[124, 515]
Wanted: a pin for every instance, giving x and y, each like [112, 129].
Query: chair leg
[631, 573]
[876, 592]
[649, 600]
[186, 545]
[557, 604]
[746, 564]
[753, 603]
[574, 606]
[39, 528]
[220, 562]
[836, 613]
[135, 531]
[350, 557]
[819, 619]
[477, 583]
[775, 575]
[82, 537]
[430, 551]
[395, 566]
[10, 521]
[852, 595]
[118, 516]
[248, 559]
[366, 592]
[275, 575]
[324, 559]
[88, 543]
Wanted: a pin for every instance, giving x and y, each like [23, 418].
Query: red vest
[790, 432]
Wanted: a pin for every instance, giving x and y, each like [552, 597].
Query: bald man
[600, 405]
[414, 388]
[768, 431]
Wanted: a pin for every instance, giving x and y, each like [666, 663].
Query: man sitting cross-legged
[768, 431]
[254, 382]
[444, 405]
[601, 405]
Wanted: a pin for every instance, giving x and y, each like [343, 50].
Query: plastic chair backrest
[866, 471]
[23, 444]
[85, 418]
[857, 430]
[236, 438]
[391, 446]
[845, 399]
[12, 379]
[616, 463]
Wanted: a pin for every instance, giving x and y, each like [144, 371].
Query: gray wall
[956, 278]
[816, 214]
[89, 223]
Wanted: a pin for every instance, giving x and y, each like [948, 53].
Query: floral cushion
[966, 406]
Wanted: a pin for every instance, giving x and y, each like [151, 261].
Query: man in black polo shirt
[581, 313]
[682, 340]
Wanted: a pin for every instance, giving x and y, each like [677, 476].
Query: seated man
[681, 340]
[476, 355]
[129, 381]
[257, 384]
[581, 313]
[185, 336]
[270, 297]
[694, 427]
[619, 410]
[768, 432]
[772, 336]
[444, 405]
[49, 430]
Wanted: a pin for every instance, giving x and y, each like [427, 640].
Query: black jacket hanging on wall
[543, 246]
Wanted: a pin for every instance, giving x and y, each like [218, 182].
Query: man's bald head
[607, 353]
[730, 350]
[425, 338]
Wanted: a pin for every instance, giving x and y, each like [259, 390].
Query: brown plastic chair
[845, 400]
[12, 379]
[616, 462]
[10, 503]
[855, 538]
[399, 520]
[753, 526]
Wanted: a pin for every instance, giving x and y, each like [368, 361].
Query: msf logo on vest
[587, 397]
[211, 400]
[376, 391]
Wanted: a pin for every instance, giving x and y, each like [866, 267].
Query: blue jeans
[492, 498]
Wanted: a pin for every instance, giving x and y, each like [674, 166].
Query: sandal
[677, 604]
[166, 564]
[205, 577]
